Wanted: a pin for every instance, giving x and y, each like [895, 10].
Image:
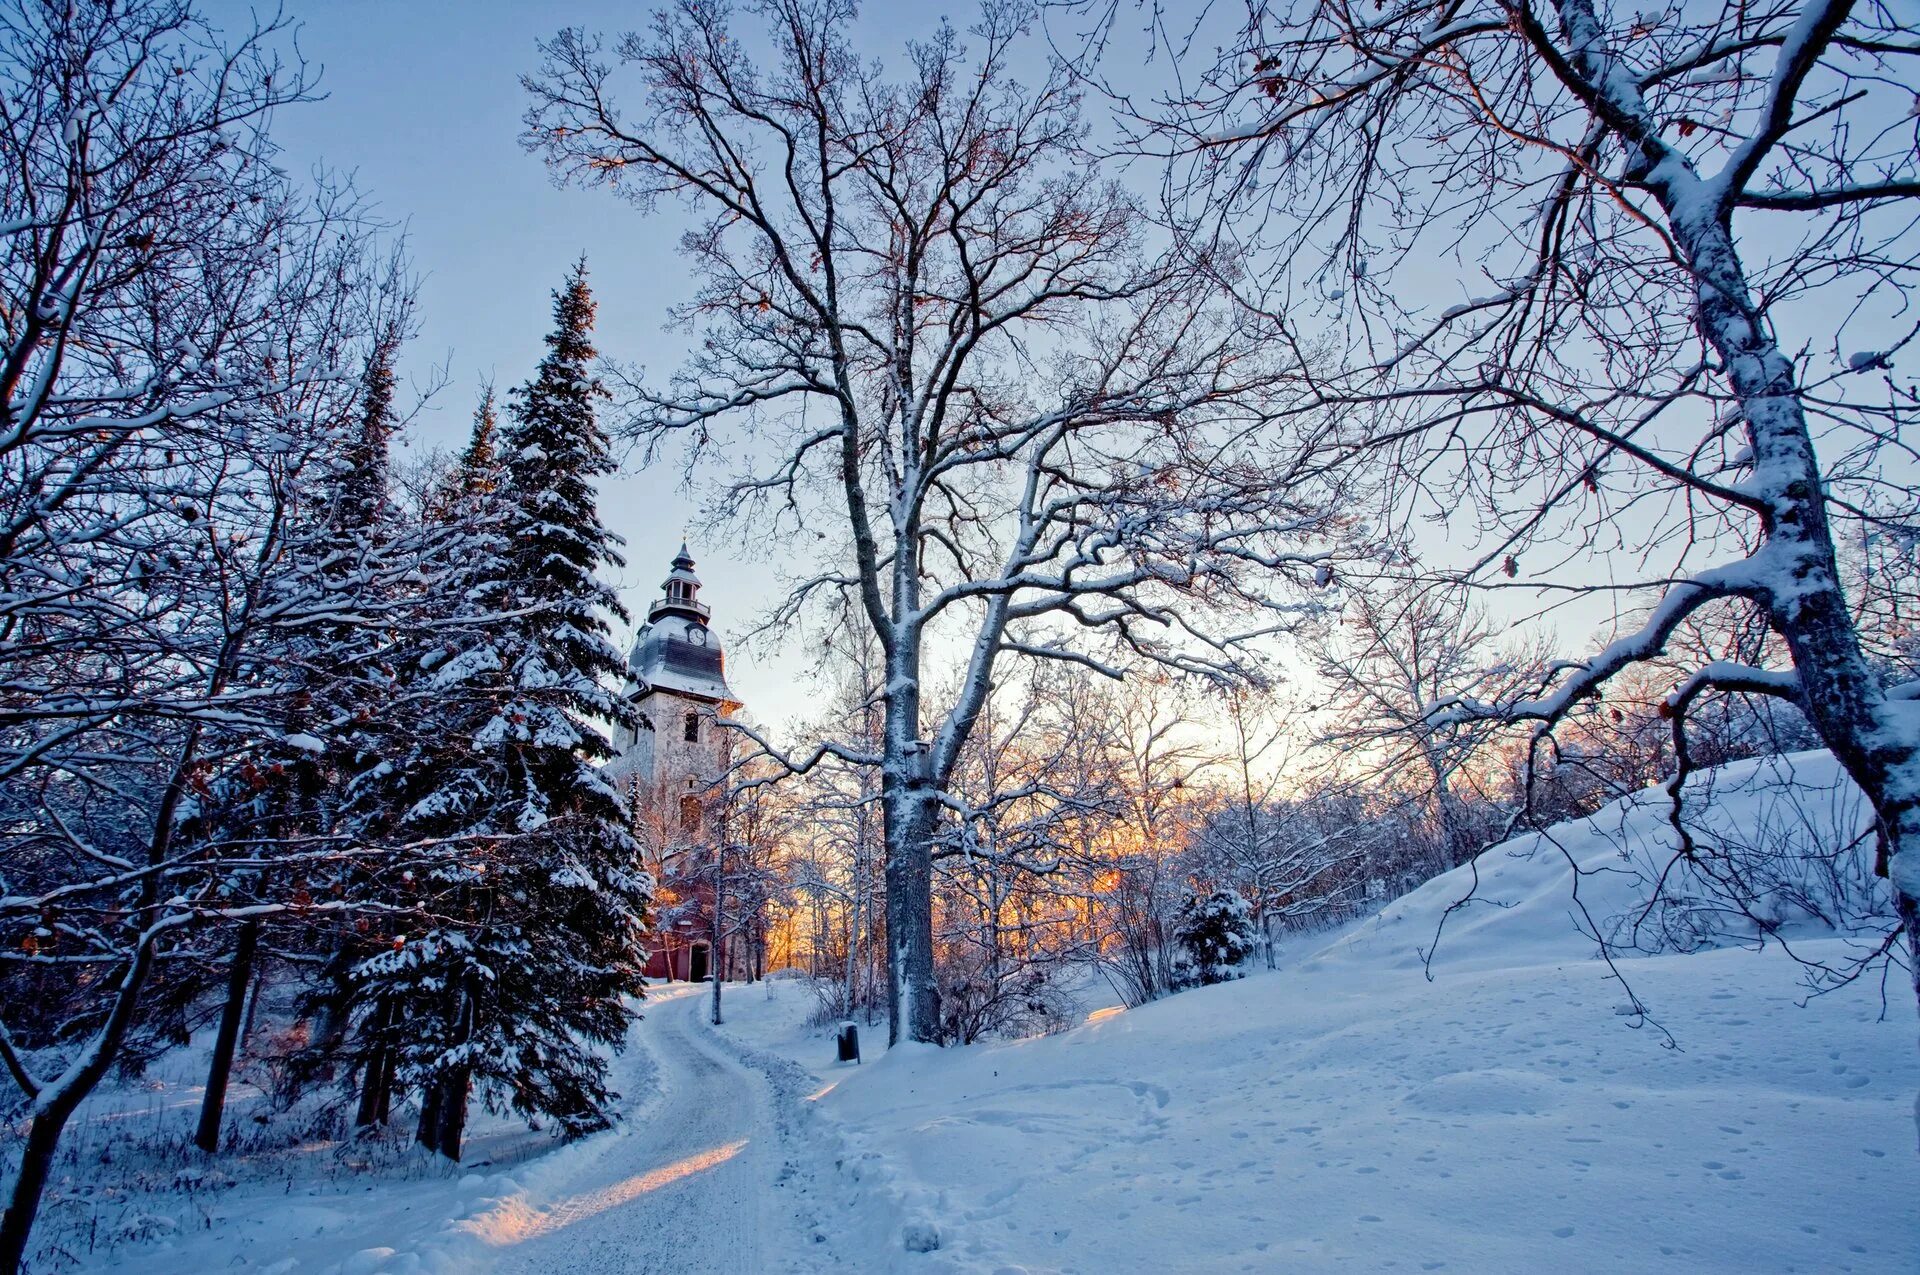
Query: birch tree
[931, 331]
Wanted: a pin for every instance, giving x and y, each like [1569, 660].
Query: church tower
[669, 762]
[677, 683]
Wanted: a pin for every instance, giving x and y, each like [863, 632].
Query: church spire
[680, 592]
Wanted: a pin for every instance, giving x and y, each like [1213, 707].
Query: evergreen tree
[360, 550]
[321, 677]
[1215, 932]
[532, 923]
[361, 496]
[480, 464]
[476, 474]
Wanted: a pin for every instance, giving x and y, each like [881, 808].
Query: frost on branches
[531, 917]
[982, 409]
[1694, 231]
[248, 729]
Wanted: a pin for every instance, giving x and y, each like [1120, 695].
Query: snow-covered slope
[1618, 876]
[1347, 1113]
[1510, 1114]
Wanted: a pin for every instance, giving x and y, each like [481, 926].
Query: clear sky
[423, 105]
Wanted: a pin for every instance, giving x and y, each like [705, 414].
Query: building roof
[675, 650]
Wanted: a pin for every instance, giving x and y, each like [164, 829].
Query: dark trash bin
[849, 1043]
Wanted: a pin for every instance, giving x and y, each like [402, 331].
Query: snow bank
[1347, 1113]
[1349, 1118]
[1618, 876]
[1511, 1114]
[284, 1202]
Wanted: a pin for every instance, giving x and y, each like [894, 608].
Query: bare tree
[931, 323]
[183, 334]
[1694, 227]
[1258, 833]
[1394, 653]
[1011, 872]
[1149, 739]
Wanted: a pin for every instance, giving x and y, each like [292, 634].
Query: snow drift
[1781, 846]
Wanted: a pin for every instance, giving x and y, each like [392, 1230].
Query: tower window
[693, 728]
[690, 815]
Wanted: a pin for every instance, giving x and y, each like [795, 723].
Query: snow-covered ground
[1511, 1114]
[130, 1194]
[720, 1165]
[1338, 1118]
[1346, 1113]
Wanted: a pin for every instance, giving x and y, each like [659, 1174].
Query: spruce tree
[475, 474]
[1215, 932]
[586, 892]
[532, 935]
[323, 677]
[360, 497]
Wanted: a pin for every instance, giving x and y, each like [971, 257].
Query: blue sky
[423, 105]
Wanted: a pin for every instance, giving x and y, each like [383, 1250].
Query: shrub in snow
[980, 997]
[1780, 845]
[1215, 932]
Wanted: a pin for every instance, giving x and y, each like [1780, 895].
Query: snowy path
[716, 1178]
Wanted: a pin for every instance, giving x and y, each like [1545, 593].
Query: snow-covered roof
[679, 653]
[675, 650]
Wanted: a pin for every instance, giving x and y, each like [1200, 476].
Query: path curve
[702, 1183]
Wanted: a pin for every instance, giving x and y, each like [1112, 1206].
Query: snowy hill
[1347, 1113]
[1617, 876]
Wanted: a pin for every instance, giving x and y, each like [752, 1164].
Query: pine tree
[476, 474]
[554, 449]
[266, 794]
[361, 496]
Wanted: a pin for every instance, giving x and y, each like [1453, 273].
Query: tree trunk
[714, 956]
[253, 1005]
[36, 1165]
[220, 1069]
[853, 942]
[1908, 908]
[1794, 575]
[376, 1077]
[913, 1006]
[457, 1091]
[443, 1103]
[373, 1108]
[331, 1017]
[1800, 587]
[58, 1101]
[427, 1132]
